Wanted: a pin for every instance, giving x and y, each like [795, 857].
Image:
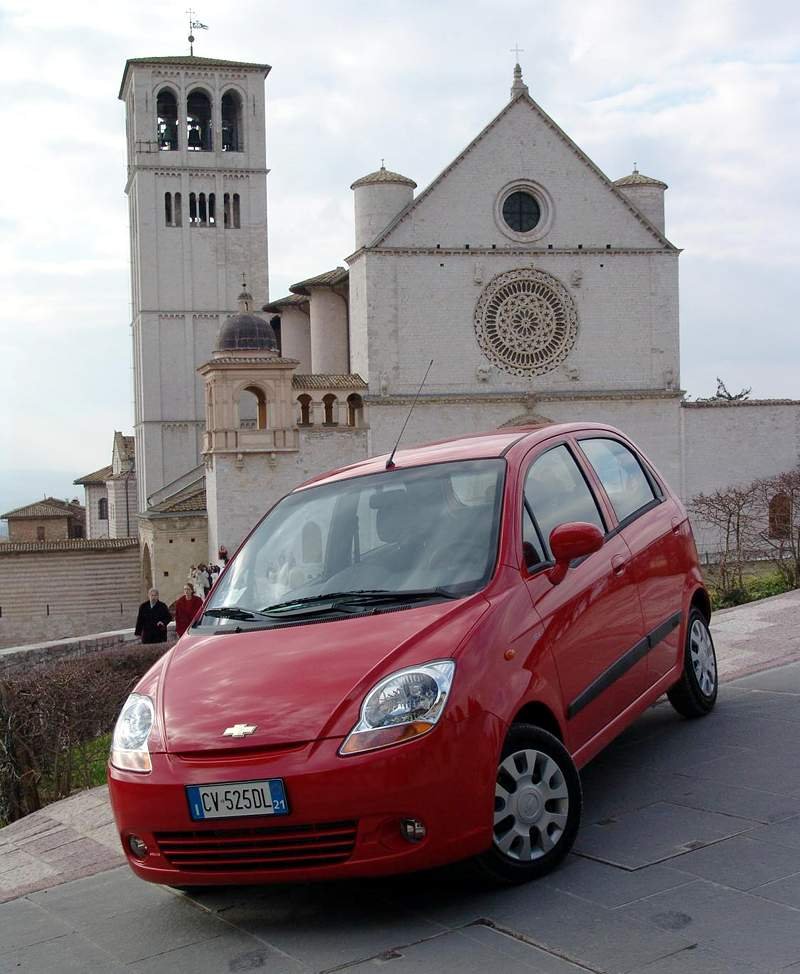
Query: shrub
[50, 719]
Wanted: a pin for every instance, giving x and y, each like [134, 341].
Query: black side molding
[622, 665]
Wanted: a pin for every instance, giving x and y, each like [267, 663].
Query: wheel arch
[701, 600]
[538, 713]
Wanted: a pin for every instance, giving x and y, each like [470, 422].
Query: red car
[406, 664]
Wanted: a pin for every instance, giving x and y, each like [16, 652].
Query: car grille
[246, 850]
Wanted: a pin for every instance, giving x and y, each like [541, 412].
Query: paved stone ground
[688, 859]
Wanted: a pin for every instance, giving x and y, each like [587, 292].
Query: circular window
[526, 322]
[521, 211]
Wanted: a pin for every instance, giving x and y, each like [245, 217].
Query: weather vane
[193, 26]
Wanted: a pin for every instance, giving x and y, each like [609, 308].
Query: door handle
[619, 563]
[676, 525]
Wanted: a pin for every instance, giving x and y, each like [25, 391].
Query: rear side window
[556, 492]
[621, 475]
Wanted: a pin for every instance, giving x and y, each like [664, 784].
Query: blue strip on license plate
[234, 799]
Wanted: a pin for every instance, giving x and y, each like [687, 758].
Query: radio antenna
[390, 461]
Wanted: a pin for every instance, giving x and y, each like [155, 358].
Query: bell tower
[196, 189]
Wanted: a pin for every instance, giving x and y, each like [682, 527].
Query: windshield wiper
[360, 595]
[233, 612]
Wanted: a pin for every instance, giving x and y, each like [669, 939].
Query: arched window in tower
[198, 122]
[226, 210]
[232, 122]
[237, 222]
[177, 211]
[212, 207]
[305, 410]
[355, 409]
[329, 402]
[168, 209]
[252, 409]
[192, 209]
[167, 120]
[202, 210]
[102, 509]
[780, 517]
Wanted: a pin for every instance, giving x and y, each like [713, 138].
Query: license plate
[237, 798]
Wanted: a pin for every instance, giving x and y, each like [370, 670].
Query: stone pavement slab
[729, 782]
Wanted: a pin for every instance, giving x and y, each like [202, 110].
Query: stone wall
[16, 660]
[26, 529]
[172, 545]
[68, 588]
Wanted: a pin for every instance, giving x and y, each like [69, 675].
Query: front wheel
[537, 807]
[695, 694]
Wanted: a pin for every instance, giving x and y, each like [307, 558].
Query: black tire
[535, 751]
[695, 694]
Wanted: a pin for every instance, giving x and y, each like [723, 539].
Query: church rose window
[521, 211]
[526, 322]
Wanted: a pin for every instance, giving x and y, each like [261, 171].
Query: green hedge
[50, 722]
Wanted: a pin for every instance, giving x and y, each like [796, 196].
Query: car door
[653, 525]
[592, 620]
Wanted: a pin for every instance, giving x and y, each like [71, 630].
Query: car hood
[299, 683]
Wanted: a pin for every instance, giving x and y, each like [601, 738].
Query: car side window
[556, 493]
[621, 475]
[531, 544]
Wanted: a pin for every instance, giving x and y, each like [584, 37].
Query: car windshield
[400, 535]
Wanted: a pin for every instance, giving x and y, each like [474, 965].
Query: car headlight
[129, 743]
[402, 706]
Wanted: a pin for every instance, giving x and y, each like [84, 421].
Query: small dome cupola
[245, 331]
[646, 194]
[378, 198]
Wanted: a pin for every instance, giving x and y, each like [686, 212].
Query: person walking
[186, 608]
[153, 619]
[204, 579]
[222, 554]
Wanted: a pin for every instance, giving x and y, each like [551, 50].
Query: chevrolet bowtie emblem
[239, 730]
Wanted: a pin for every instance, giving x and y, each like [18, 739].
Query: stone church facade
[540, 289]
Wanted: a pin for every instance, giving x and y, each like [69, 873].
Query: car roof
[473, 446]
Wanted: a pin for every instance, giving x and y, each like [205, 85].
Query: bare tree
[731, 512]
[776, 526]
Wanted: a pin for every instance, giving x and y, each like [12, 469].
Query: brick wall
[26, 529]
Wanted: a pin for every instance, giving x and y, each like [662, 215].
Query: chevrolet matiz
[408, 661]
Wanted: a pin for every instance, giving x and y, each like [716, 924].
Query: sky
[703, 96]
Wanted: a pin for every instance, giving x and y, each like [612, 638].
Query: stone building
[111, 497]
[46, 520]
[539, 287]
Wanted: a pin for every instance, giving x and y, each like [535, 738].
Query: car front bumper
[344, 812]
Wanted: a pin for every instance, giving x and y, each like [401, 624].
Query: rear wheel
[695, 694]
[537, 807]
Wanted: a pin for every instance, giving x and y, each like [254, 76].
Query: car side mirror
[576, 539]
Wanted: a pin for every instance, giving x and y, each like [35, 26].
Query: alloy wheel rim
[701, 654]
[531, 805]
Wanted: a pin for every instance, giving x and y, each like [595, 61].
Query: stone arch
[329, 405]
[147, 569]
[252, 407]
[199, 136]
[232, 121]
[167, 118]
[355, 410]
[305, 404]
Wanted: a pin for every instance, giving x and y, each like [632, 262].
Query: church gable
[522, 151]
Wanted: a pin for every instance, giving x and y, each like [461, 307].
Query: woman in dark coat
[185, 608]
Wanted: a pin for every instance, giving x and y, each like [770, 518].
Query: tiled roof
[383, 175]
[290, 299]
[189, 499]
[49, 507]
[98, 477]
[734, 403]
[637, 179]
[127, 446]
[322, 381]
[68, 544]
[190, 61]
[330, 278]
